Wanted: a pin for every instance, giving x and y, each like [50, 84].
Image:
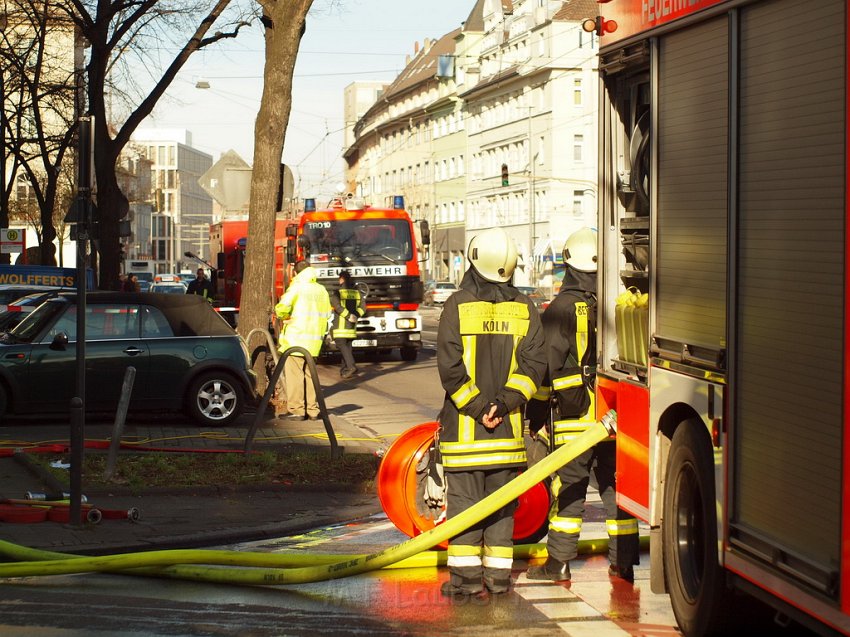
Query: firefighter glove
[430, 487]
[435, 486]
[537, 413]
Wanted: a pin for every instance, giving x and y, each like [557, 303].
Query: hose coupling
[609, 421]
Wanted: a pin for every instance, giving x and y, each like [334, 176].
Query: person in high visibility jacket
[304, 308]
[347, 303]
[490, 359]
[569, 327]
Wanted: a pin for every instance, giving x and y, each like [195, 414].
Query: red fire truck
[228, 239]
[378, 246]
[723, 203]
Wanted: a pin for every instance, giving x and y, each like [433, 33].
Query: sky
[345, 41]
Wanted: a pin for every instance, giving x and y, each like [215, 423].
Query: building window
[578, 144]
[578, 196]
[577, 96]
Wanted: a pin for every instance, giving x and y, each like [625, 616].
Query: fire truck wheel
[215, 399]
[694, 578]
[409, 353]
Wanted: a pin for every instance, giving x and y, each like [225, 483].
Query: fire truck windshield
[358, 241]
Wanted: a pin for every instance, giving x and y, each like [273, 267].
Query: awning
[543, 247]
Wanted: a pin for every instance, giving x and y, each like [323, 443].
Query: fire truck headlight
[405, 324]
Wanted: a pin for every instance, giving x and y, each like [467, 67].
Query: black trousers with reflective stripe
[623, 550]
[466, 489]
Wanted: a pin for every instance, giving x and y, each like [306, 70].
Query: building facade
[182, 210]
[494, 124]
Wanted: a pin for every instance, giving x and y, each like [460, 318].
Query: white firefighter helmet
[580, 250]
[493, 254]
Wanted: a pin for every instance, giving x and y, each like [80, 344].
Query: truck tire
[409, 353]
[695, 579]
[215, 399]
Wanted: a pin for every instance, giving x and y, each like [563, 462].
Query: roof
[577, 10]
[423, 67]
[187, 314]
[475, 21]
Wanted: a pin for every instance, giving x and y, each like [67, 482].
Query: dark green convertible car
[187, 358]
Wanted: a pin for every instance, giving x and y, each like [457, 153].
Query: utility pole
[532, 273]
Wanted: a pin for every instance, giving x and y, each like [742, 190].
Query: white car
[440, 291]
[169, 288]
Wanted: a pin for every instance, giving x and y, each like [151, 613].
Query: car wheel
[215, 398]
[409, 353]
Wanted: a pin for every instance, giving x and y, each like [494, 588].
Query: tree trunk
[284, 20]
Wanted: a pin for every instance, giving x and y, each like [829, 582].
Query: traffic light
[505, 180]
[599, 25]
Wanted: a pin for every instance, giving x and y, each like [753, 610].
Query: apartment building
[494, 124]
[532, 130]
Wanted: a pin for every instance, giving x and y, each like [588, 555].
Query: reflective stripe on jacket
[307, 306]
[346, 302]
[486, 352]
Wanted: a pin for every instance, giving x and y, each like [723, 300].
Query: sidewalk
[185, 518]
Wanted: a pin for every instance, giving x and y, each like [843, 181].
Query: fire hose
[204, 565]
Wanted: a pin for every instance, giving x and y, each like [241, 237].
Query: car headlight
[405, 324]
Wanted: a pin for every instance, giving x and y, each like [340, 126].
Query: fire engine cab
[378, 246]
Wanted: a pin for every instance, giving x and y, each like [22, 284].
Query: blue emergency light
[398, 202]
[309, 205]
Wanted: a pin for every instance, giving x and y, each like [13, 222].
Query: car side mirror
[60, 341]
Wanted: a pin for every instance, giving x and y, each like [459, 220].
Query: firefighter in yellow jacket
[305, 308]
[490, 358]
[569, 327]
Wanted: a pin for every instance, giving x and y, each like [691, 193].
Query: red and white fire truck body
[723, 305]
[228, 241]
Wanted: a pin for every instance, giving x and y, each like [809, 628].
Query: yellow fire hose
[197, 564]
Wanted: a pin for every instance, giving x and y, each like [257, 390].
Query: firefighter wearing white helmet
[580, 250]
[493, 254]
[563, 408]
[490, 359]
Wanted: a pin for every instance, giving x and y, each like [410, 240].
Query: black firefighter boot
[552, 570]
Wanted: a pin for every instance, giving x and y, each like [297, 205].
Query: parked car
[11, 292]
[536, 295]
[439, 292]
[175, 287]
[185, 355]
[13, 313]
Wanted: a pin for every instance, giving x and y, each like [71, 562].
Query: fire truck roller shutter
[788, 327]
[692, 194]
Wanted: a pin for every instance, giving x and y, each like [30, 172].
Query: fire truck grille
[407, 289]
